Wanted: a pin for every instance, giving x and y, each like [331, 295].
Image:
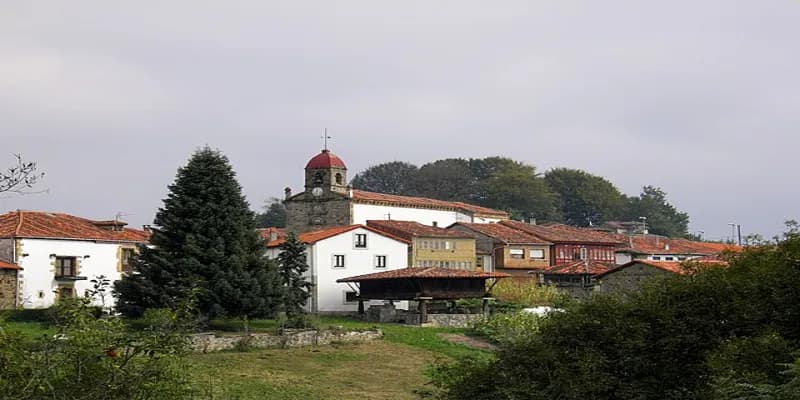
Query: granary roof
[39, 224]
[503, 233]
[411, 229]
[8, 265]
[425, 273]
[424, 202]
[560, 233]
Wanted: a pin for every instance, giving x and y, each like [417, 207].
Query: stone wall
[208, 342]
[445, 320]
[7, 250]
[8, 289]
[306, 214]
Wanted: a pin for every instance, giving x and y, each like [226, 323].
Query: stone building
[328, 201]
[630, 276]
[9, 287]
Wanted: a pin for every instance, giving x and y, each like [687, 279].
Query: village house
[630, 276]
[327, 200]
[432, 246]
[339, 252]
[58, 254]
[504, 249]
[577, 278]
[662, 248]
[571, 244]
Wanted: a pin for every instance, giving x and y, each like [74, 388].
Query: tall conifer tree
[292, 265]
[204, 239]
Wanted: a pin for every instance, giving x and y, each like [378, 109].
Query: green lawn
[388, 369]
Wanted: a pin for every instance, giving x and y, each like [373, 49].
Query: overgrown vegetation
[528, 293]
[723, 333]
[92, 357]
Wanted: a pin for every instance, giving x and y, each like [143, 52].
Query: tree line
[570, 196]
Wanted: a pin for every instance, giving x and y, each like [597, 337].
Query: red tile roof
[8, 265]
[579, 268]
[425, 273]
[559, 233]
[315, 236]
[675, 267]
[268, 233]
[38, 224]
[502, 233]
[423, 202]
[655, 244]
[411, 229]
[326, 159]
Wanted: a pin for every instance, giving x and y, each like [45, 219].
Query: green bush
[529, 293]
[93, 358]
[28, 315]
[506, 328]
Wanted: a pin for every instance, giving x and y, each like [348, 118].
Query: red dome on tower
[326, 159]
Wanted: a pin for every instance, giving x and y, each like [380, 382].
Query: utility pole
[739, 229]
[733, 232]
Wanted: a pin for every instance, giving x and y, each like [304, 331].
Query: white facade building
[60, 254]
[342, 252]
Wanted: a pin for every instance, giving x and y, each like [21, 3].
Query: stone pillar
[360, 307]
[423, 309]
[486, 301]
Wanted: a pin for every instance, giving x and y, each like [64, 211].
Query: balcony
[69, 278]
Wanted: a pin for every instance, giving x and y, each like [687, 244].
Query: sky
[699, 98]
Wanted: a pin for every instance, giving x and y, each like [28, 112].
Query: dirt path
[468, 341]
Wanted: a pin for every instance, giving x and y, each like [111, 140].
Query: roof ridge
[20, 215]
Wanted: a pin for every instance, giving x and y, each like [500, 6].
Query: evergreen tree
[204, 240]
[274, 215]
[292, 268]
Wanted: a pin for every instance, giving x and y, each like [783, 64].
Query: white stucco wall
[364, 212]
[330, 296]
[38, 284]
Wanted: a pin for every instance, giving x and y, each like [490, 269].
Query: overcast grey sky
[698, 97]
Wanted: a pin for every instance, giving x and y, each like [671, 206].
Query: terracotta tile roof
[502, 233]
[675, 267]
[655, 244]
[322, 234]
[579, 268]
[8, 265]
[268, 233]
[425, 273]
[38, 224]
[411, 229]
[422, 202]
[325, 159]
[559, 233]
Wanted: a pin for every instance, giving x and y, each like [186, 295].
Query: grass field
[388, 369]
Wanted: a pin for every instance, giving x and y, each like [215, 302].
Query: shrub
[95, 358]
[528, 293]
[506, 328]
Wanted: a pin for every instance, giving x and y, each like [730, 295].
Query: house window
[380, 261]
[350, 297]
[361, 240]
[449, 245]
[517, 253]
[583, 253]
[338, 261]
[668, 258]
[656, 258]
[125, 259]
[435, 224]
[536, 254]
[65, 266]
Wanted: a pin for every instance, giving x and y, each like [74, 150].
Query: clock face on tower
[316, 192]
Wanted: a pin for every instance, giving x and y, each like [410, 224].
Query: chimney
[532, 221]
[666, 246]
[350, 191]
[273, 236]
[288, 192]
